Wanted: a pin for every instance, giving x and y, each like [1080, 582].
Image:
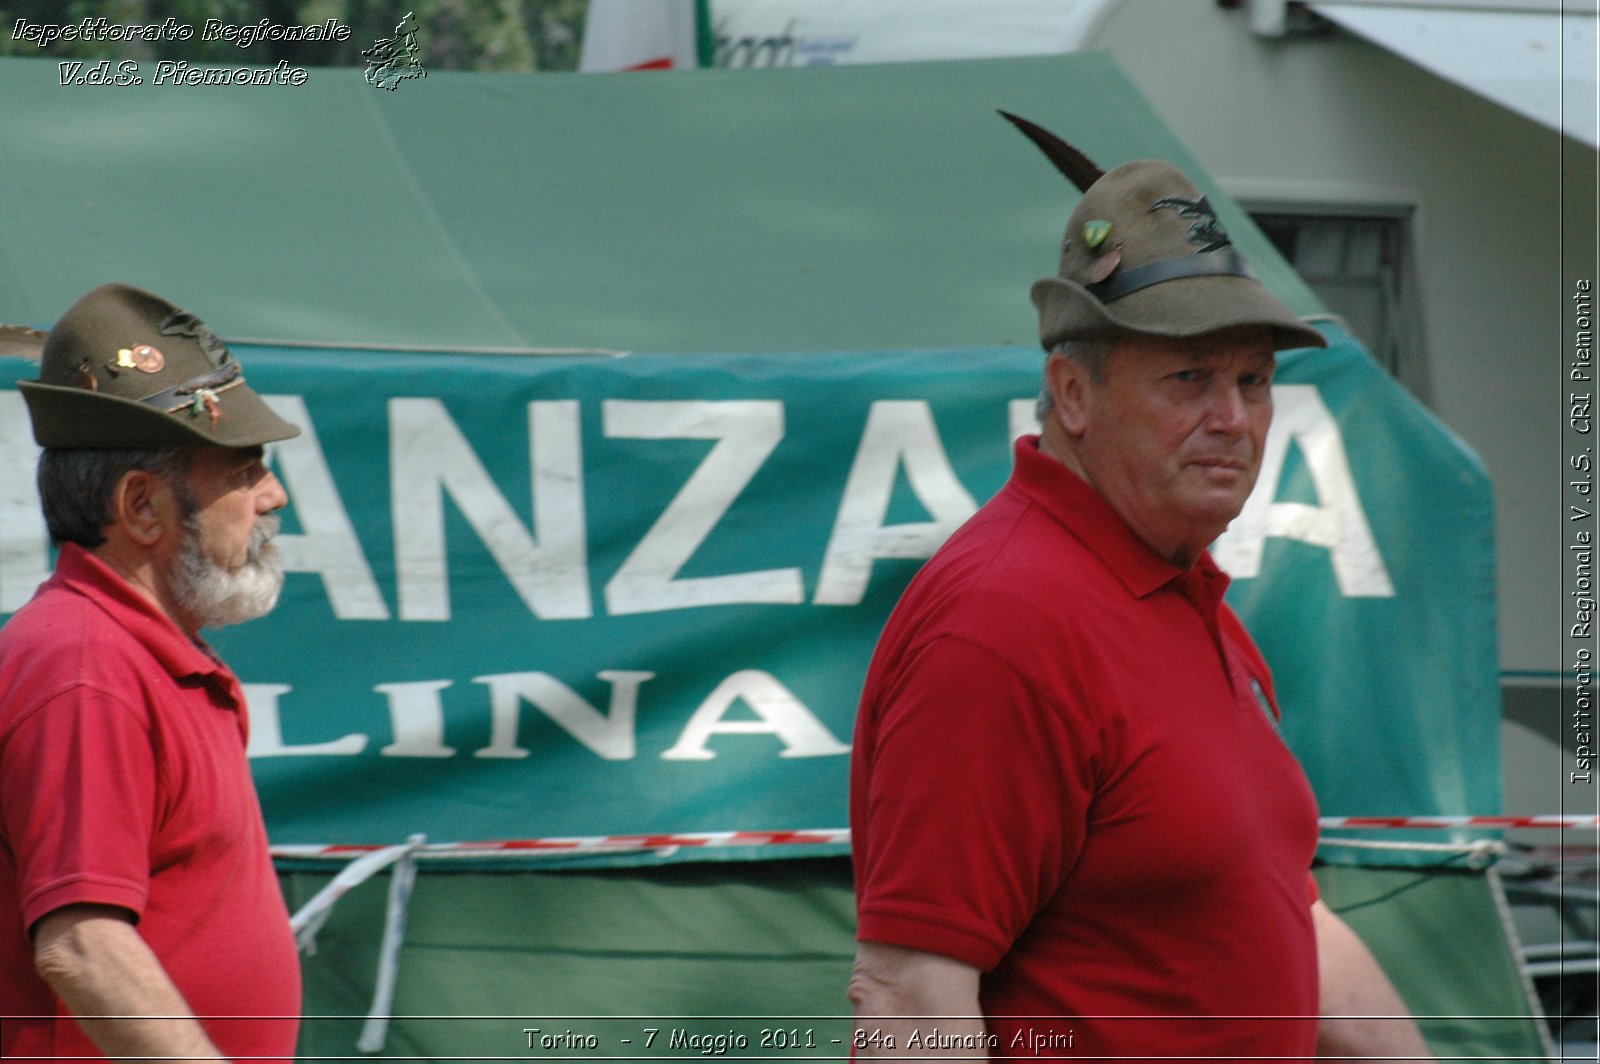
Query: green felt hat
[1144, 255]
[124, 368]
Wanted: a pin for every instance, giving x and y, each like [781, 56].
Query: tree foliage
[503, 35]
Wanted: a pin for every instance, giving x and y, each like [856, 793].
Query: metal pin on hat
[1106, 264]
[144, 358]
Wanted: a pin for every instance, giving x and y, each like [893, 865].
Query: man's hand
[94, 959]
[1353, 987]
[896, 990]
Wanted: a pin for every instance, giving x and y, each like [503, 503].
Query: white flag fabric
[639, 35]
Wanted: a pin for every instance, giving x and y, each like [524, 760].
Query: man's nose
[273, 496]
[1229, 411]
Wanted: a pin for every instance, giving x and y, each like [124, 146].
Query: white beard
[216, 596]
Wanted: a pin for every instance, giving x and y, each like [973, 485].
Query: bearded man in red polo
[140, 915]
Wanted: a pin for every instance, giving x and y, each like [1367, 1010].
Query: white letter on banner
[328, 546]
[266, 728]
[1338, 524]
[897, 432]
[610, 736]
[781, 713]
[24, 542]
[429, 456]
[746, 432]
[1023, 415]
[416, 718]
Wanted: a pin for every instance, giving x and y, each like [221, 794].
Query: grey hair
[76, 486]
[1092, 352]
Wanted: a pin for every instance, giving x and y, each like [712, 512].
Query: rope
[313, 914]
[1479, 854]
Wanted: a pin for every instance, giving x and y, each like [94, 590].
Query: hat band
[1224, 262]
[174, 399]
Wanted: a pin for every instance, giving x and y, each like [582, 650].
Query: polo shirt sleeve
[973, 807]
[77, 801]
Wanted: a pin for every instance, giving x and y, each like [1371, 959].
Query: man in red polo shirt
[1076, 829]
[139, 912]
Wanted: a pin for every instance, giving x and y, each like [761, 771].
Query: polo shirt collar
[84, 573]
[1084, 512]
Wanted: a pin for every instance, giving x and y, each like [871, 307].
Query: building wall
[1503, 214]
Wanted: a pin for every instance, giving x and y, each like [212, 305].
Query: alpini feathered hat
[1144, 255]
[125, 368]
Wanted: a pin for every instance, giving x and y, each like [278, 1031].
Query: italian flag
[647, 35]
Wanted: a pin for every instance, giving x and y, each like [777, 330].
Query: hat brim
[1179, 309]
[69, 417]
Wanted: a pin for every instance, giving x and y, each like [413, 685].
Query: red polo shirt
[123, 781]
[1067, 773]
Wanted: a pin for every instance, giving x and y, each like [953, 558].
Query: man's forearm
[900, 995]
[1362, 1014]
[95, 961]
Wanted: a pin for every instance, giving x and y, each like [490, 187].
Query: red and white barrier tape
[593, 844]
[1453, 822]
[841, 836]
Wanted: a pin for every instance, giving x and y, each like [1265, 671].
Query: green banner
[536, 596]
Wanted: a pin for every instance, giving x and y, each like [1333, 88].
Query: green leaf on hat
[1095, 232]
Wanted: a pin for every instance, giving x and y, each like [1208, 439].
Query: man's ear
[144, 506]
[1068, 381]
